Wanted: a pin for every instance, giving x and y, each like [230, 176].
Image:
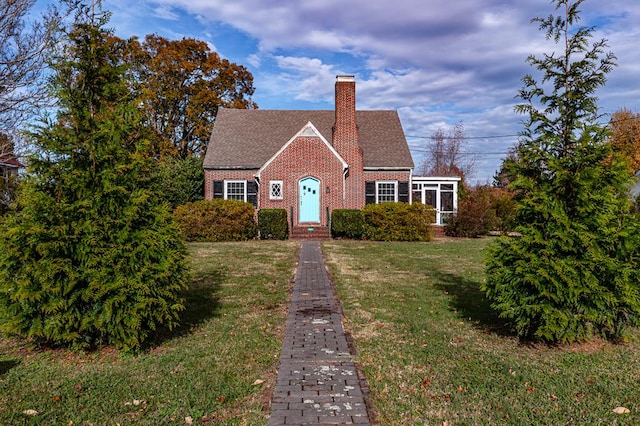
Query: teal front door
[309, 190]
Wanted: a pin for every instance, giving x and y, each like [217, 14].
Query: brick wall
[304, 157]
[401, 176]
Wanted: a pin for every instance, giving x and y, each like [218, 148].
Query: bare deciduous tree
[23, 48]
[446, 156]
[7, 149]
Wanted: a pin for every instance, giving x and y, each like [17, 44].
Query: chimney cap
[348, 78]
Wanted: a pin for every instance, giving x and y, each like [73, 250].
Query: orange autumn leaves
[625, 136]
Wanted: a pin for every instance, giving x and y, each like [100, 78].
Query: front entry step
[310, 233]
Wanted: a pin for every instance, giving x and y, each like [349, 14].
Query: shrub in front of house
[505, 207]
[272, 224]
[482, 209]
[347, 223]
[216, 220]
[398, 222]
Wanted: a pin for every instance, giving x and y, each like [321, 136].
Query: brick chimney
[345, 141]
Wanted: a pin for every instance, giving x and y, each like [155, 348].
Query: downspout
[344, 184]
[410, 186]
[257, 179]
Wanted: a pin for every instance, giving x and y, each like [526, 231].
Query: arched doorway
[309, 204]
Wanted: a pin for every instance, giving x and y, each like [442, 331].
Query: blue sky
[437, 62]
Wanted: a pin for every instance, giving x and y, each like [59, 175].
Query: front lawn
[431, 349]
[434, 353]
[205, 371]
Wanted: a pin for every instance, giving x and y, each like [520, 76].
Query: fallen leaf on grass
[258, 382]
[621, 410]
[188, 420]
[30, 412]
[220, 399]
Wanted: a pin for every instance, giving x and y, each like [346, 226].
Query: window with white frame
[386, 191]
[235, 190]
[275, 190]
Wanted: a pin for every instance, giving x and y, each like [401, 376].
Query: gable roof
[248, 138]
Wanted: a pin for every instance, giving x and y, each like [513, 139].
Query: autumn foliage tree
[572, 272]
[625, 135]
[180, 84]
[90, 256]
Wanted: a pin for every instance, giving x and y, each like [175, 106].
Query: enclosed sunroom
[441, 193]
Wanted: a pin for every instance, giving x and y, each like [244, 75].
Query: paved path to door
[317, 380]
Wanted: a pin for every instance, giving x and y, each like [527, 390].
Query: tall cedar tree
[573, 272]
[91, 256]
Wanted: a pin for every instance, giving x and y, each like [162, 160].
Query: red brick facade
[304, 157]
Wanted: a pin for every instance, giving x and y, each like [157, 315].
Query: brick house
[309, 162]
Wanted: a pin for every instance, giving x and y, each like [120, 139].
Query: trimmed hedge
[272, 224]
[398, 222]
[347, 223]
[216, 220]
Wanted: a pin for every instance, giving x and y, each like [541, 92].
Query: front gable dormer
[309, 131]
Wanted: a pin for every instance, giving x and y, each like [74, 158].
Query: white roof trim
[309, 130]
[436, 178]
[383, 168]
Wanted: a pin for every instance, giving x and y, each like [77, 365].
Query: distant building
[9, 167]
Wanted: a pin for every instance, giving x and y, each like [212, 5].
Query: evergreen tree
[573, 272]
[180, 180]
[90, 256]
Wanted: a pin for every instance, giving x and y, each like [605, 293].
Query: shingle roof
[10, 162]
[246, 139]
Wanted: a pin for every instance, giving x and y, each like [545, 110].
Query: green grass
[429, 345]
[433, 352]
[231, 335]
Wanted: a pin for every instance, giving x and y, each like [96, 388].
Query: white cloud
[438, 62]
[166, 12]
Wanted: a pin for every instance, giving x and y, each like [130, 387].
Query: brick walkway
[317, 380]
